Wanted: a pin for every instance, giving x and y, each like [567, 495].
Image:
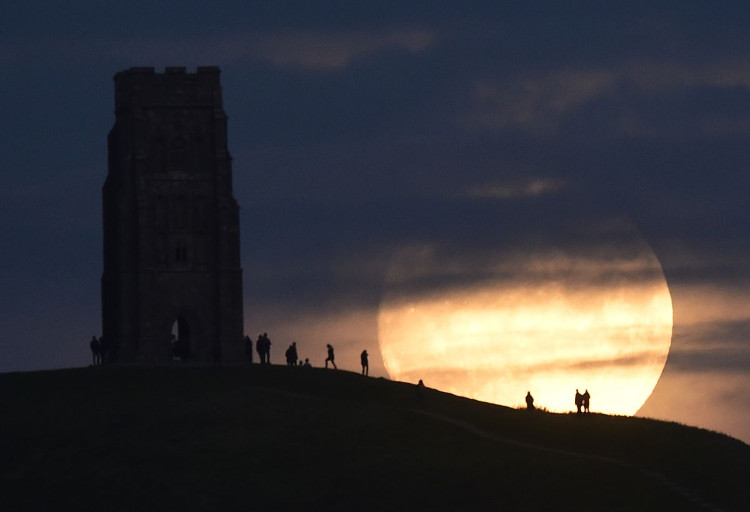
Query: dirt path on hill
[655, 477]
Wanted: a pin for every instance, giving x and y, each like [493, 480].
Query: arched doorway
[181, 349]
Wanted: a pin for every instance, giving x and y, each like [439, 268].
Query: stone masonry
[171, 223]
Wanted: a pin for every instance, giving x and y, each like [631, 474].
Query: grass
[276, 438]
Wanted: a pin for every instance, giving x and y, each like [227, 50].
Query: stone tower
[172, 282]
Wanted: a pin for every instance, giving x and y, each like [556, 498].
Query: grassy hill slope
[276, 438]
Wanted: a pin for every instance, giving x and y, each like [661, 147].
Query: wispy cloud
[517, 189]
[303, 49]
[322, 51]
[536, 103]
[539, 103]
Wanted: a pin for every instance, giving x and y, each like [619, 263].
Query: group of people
[263, 347]
[99, 350]
[581, 400]
[292, 358]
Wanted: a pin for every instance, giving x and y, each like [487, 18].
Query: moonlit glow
[557, 324]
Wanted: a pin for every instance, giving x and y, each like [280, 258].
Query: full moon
[548, 322]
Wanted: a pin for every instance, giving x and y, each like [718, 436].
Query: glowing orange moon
[546, 323]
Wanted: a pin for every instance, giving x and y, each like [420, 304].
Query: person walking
[330, 357]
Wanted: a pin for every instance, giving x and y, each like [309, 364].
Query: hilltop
[277, 438]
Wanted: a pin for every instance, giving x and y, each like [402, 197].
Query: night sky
[357, 131]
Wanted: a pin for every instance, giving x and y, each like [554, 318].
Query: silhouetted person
[263, 347]
[267, 347]
[307, 363]
[365, 363]
[96, 354]
[259, 348]
[330, 357]
[420, 391]
[585, 398]
[291, 354]
[249, 349]
[579, 401]
[104, 355]
[529, 401]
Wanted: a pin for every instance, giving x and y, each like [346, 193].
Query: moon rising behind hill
[546, 323]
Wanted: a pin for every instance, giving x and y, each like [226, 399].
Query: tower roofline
[168, 70]
[144, 87]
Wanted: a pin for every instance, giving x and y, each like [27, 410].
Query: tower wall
[171, 223]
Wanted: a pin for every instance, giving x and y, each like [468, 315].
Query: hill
[277, 438]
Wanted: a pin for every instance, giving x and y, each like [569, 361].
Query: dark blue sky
[358, 129]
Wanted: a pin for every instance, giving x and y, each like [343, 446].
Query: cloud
[540, 103]
[530, 187]
[301, 49]
[535, 103]
[322, 51]
[711, 346]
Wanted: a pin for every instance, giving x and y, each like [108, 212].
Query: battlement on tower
[144, 87]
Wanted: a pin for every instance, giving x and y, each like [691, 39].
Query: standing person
[267, 347]
[259, 348]
[365, 363]
[585, 399]
[330, 357]
[579, 401]
[104, 355]
[529, 401]
[96, 354]
[249, 349]
[291, 354]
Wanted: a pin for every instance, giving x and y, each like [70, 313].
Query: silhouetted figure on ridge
[96, 354]
[579, 401]
[291, 354]
[259, 349]
[330, 357]
[585, 398]
[249, 349]
[307, 363]
[263, 347]
[104, 355]
[529, 401]
[420, 391]
[365, 363]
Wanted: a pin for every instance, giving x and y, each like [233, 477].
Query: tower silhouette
[171, 223]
